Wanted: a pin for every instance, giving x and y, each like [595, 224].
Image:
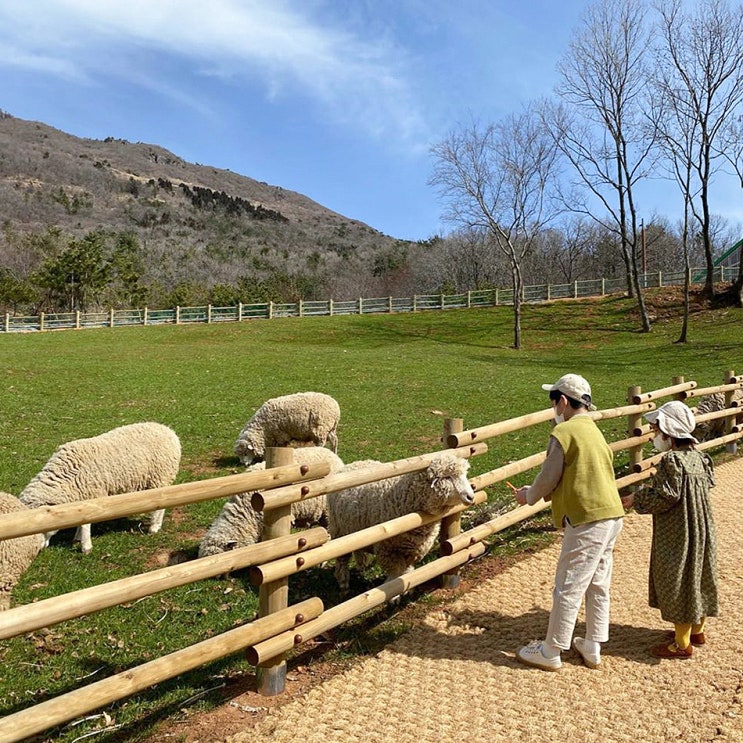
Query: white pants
[584, 569]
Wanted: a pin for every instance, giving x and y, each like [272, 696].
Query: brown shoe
[671, 651]
[696, 640]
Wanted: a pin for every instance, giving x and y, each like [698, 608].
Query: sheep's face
[450, 482]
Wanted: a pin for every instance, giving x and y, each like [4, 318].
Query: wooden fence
[144, 316]
[281, 553]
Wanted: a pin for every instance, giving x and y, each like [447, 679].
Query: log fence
[279, 627]
[240, 312]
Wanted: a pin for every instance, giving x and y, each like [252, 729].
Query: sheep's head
[447, 476]
[249, 448]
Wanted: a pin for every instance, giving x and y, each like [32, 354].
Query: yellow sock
[697, 629]
[683, 635]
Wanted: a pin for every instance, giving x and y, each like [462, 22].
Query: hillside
[196, 223]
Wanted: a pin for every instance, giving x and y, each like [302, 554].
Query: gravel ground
[454, 676]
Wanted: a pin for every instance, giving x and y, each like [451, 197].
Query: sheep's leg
[394, 570]
[4, 600]
[343, 573]
[333, 441]
[82, 535]
[156, 521]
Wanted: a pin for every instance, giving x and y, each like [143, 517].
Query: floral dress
[683, 557]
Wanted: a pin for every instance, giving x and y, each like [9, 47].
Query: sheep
[239, 525]
[15, 554]
[433, 490]
[713, 429]
[139, 456]
[310, 417]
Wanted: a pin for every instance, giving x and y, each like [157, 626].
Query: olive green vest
[587, 491]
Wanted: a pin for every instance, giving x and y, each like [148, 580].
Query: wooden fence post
[41, 321]
[415, 302]
[301, 308]
[496, 296]
[239, 311]
[270, 310]
[575, 289]
[111, 317]
[144, 316]
[469, 299]
[273, 597]
[674, 382]
[330, 307]
[361, 306]
[177, 314]
[208, 314]
[389, 305]
[729, 378]
[451, 526]
[7, 322]
[77, 319]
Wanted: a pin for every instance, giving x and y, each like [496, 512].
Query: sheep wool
[140, 456]
[441, 485]
[711, 404]
[238, 524]
[310, 417]
[15, 554]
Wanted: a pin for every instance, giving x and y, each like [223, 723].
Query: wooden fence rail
[279, 627]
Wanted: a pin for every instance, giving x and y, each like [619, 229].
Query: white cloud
[357, 81]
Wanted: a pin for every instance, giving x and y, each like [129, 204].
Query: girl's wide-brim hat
[674, 419]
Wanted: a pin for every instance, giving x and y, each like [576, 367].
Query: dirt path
[455, 678]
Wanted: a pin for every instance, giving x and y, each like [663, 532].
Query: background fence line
[329, 307]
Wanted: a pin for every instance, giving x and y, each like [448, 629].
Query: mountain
[195, 223]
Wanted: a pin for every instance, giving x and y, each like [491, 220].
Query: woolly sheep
[302, 417]
[441, 485]
[239, 525]
[711, 404]
[139, 456]
[15, 554]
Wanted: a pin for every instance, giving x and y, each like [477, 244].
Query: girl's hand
[628, 501]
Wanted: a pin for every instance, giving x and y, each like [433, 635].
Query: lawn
[393, 375]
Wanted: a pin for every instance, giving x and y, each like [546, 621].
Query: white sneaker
[592, 660]
[532, 655]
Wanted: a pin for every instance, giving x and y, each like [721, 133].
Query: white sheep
[715, 428]
[441, 485]
[238, 524]
[304, 417]
[15, 554]
[136, 457]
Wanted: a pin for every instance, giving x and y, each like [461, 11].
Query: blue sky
[337, 99]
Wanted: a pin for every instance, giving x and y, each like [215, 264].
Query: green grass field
[389, 374]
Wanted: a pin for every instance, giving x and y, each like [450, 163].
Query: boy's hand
[520, 495]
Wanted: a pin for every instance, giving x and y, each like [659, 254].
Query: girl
[683, 565]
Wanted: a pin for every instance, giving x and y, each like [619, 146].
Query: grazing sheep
[15, 554]
[713, 429]
[140, 456]
[239, 524]
[433, 490]
[289, 420]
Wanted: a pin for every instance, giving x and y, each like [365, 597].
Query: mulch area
[454, 677]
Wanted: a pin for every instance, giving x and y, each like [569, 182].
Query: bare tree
[732, 151]
[598, 126]
[500, 179]
[699, 74]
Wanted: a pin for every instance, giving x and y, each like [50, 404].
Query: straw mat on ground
[455, 677]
